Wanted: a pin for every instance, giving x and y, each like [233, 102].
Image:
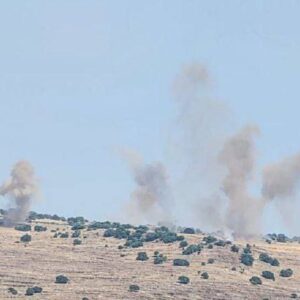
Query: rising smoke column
[20, 188]
[202, 123]
[238, 157]
[150, 200]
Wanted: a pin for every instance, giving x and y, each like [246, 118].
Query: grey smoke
[238, 157]
[20, 189]
[281, 179]
[150, 199]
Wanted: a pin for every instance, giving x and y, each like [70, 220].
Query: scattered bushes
[255, 280]
[61, 279]
[268, 259]
[268, 275]
[286, 273]
[26, 238]
[134, 288]
[183, 279]
[180, 262]
[247, 259]
[23, 227]
[142, 256]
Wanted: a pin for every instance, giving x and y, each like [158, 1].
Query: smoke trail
[150, 200]
[238, 156]
[20, 188]
[280, 180]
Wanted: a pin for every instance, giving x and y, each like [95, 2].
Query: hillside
[98, 269]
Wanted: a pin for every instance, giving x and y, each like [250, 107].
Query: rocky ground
[97, 269]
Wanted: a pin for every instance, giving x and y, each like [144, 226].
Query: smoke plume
[20, 188]
[150, 200]
[238, 157]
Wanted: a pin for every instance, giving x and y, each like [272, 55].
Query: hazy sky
[80, 78]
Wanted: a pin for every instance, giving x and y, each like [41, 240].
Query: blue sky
[80, 78]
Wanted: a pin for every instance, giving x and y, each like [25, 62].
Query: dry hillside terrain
[97, 269]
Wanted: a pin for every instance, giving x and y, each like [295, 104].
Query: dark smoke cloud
[20, 188]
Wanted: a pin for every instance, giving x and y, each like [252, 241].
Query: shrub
[247, 249]
[64, 235]
[26, 238]
[183, 280]
[109, 232]
[209, 239]
[142, 256]
[156, 253]
[159, 259]
[294, 296]
[220, 243]
[121, 233]
[210, 246]
[268, 275]
[191, 249]
[99, 225]
[76, 234]
[180, 262]
[205, 275]
[151, 236]
[286, 273]
[78, 226]
[37, 289]
[282, 238]
[169, 237]
[75, 220]
[247, 259]
[189, 230]
[210, 261]
[13, 291]
[203, 263]
[234, 248]
[23, 227]
[255, 280]
[77, 242]
[61, 279]
[40, 228]
[134, 243]
[183, 244]
[29, 292]
[268, 259]
[134, 288]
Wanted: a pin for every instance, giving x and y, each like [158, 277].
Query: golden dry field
[97, 269]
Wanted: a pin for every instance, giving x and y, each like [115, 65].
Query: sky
[79, 79]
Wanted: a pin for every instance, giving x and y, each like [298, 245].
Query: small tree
[180, 262]
[61, 279]
[268, 275]
[255, 280]
[134, 288]
[142, 256]
[183, 279]
[286, 273]
[26, 238]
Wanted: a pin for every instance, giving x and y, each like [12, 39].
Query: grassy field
[97, 269]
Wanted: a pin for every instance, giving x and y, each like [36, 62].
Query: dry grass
[99, 272]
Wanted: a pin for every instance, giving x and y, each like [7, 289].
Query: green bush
[77, 242]
[159, 259]
[205, 275]
[151, 236]
[255, 280]
[37, 289]
[109, 232]
[286, 273]
[210, 261]
[247, 259]
[180, 262]
[209, 239]
[134, 288]
[26, 238]
[13, 291]
[142, 256]
[268, 275]
[40, 228]
[220, 243]
[268, 259]
[183, 244]
[23, 227]
[64, 235]
[183, 279]
[191, 249]
[61, 279]
[189, 231]
[76, 234]
[29, 292]
[234, 248]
